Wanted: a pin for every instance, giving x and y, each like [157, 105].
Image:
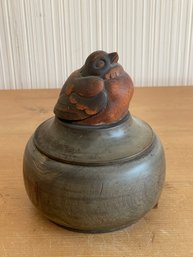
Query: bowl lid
[93, 145]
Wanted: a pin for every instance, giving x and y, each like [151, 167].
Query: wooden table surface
[165, 232]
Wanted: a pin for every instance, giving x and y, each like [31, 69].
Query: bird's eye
[100, 64]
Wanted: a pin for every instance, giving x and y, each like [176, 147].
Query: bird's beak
[114, 57]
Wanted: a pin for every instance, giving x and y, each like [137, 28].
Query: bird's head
[99, 63]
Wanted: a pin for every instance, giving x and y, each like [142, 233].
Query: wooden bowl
[94, 178]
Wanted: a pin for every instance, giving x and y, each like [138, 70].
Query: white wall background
[43, 41]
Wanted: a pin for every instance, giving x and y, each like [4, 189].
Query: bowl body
[94, 179]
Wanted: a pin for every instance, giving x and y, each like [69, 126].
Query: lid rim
[105, 163]
[78, 145]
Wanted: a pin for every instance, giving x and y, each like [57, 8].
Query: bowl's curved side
[94, 198]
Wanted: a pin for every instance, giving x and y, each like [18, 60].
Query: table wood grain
[166, 231]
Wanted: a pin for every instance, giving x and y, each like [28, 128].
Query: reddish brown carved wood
[97, 93]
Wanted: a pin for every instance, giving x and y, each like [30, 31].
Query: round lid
[93, 145]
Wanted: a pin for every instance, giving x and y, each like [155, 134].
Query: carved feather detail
[98, 93]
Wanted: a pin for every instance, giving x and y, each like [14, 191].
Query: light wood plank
[166, 231]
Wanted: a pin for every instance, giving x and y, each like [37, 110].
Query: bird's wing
[81, 98]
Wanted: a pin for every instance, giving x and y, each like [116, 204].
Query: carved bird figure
[97, 93]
